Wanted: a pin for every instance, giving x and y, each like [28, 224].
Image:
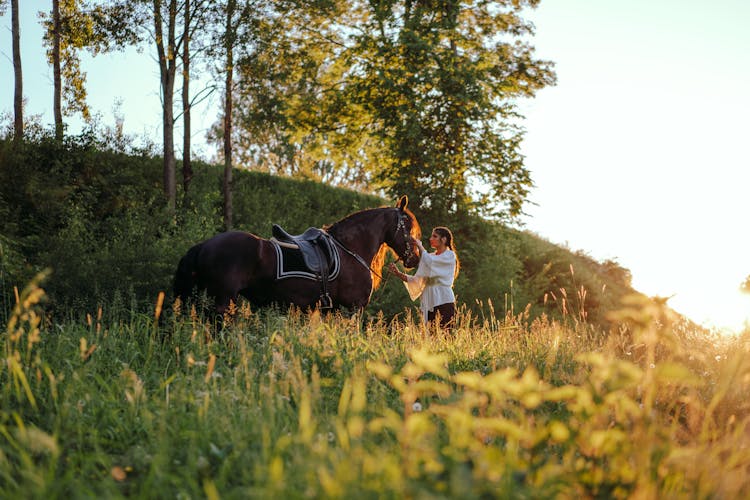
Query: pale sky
[639, 154]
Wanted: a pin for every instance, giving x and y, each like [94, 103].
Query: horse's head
[406, 229]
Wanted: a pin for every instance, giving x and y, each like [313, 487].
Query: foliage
[439, 82]
[413, 98]
[94, 216]
[571, 282]
[285, 80]
[73, 33]
[86, 25]
[121, 403]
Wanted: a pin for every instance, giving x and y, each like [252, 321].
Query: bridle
[408, 253]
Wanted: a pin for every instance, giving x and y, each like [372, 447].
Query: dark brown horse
[239, 263]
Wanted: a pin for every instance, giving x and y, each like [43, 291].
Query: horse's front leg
[358, 318]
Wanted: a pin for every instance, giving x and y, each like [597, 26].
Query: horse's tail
[184, 277]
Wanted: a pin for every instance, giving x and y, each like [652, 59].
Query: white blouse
[433, 280]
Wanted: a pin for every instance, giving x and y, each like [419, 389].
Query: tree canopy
[96, 27]
[415, 98]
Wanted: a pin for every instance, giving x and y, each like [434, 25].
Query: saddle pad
[290, 264]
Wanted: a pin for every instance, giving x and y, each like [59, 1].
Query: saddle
[318, 253]
[313, 244]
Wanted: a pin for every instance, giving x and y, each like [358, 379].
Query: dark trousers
[446, 312]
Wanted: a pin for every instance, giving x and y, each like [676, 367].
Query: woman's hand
[394, 270]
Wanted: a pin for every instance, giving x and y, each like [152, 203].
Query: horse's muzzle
[411, 261]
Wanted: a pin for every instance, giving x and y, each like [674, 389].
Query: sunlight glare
[724, 309]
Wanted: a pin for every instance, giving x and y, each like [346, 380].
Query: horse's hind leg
[217, 313]
[223, 302]
[223, 292]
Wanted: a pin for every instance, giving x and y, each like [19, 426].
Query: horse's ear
[402, 202]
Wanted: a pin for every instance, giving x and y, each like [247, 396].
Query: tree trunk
[187, 168]
[167, 69]
[229, 43]
[170, 186]
[18, 96]
[57, 104]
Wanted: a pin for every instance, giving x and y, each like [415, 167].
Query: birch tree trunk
[167, 69]
[229, 44]
[57, 100]
[18, 95]
[187, 167]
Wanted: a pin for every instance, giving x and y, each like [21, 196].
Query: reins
[356, 256]
[359, 259]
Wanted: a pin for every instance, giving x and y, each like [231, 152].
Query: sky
[638, 154]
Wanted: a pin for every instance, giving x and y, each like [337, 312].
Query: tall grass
[298, 405]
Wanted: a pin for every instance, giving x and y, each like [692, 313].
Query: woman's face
[437, 241]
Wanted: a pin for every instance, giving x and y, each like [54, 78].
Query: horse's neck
[362, 236]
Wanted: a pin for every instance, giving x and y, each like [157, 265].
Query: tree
[66, 32]
[72, 26]
[194, 17]
[238, 21]
[171, 25]
[119, 23]
[745, 286]
[167, 49]
[286, 113]
[230, 35]
[415, 98]
[55, 56]
[187, 169]
[18, 90]
[170, 46]
[439, 81]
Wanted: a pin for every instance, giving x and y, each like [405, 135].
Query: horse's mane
[416, 230]
[354, 215]
[376, 268]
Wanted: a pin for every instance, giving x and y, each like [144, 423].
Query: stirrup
[325, 301]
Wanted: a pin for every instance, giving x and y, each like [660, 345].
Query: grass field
[293, 405]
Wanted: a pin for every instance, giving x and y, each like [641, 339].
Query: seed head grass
[289, 404]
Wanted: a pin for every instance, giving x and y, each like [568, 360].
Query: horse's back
[228, 247]
[236, 256]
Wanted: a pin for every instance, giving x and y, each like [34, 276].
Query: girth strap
[325, 297]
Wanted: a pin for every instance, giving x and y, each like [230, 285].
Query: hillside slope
[96, 218]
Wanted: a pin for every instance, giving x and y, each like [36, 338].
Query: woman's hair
[446, 233]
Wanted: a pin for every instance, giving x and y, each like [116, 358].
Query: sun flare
[727, 312]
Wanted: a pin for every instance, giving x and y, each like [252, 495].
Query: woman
[434, 278]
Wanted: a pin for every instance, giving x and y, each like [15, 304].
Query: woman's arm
[423, 254]
[394, 270]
